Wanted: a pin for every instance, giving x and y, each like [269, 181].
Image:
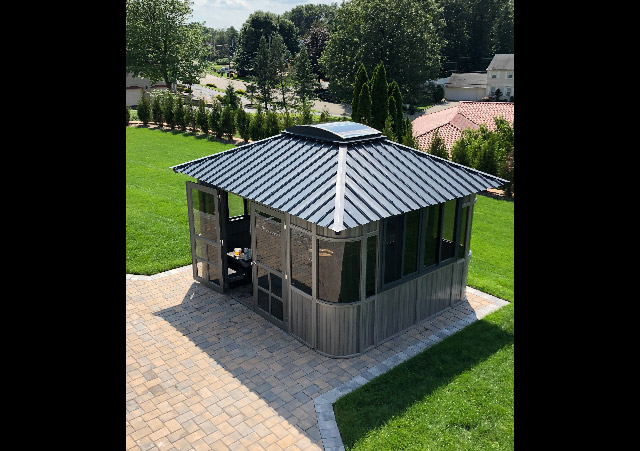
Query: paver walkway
[204, 372]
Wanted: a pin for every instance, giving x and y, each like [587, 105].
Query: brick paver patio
[206, 373]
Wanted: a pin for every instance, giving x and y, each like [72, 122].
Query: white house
[467, 86]
[500, 75]
[135, 84]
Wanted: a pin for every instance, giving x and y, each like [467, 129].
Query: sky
[226, 13]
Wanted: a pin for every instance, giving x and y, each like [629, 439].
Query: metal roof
[332, 178]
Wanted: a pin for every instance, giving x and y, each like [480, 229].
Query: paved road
[335, 109]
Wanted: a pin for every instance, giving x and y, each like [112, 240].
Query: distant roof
[451, 121]
[467, 79]
[337, 183]
[501, 61]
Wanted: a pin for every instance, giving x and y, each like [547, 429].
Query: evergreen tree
[144, 108]
[438, 93]
[306, 117]
[364, 105]
[231, 96]
[387, 130]
[202, 117]
[179, 114]
[396, 122]
[263, 75]
[379, 97]
[227, 122]
[243, 120]
[437, 147]
[256, 127]
[167, 110]
[398, 116]
[156, 110]
[215, 118]
[190, 115]
[408, 139]
[303, 76]
[361, 79]
[272, 125]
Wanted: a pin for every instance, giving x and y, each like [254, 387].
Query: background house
[134, 84]
[500, 76]
[469, 86]
[452, 121]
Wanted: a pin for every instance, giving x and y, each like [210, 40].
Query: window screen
[463, 232]
[393, 248]
[301, 260]
[411, 243]
[339, 271]
[448, 228]
[372, 251]
[432, 222]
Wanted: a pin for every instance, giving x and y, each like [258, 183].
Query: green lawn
[458, 394]
[157, 223]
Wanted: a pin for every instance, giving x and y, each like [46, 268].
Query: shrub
[272, 124]
[243, 120]
[256, 127]
[144, 108]
[241, 92]
[306, 116]
[179, 114]
[128, 114]
[324, 116]
[215, 118]
[211, 85]
[202, 117]
[167, 110]
[438, 94]
[156, 110]
[437, 147]
[227, 122]
[190, 115]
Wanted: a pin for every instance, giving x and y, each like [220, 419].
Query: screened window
[301, 254]
[464, 214]
[448, 229]
[339, 271]
[411, 242]
[372, 252]
[393, 248]
[415, 243]
[431, 232]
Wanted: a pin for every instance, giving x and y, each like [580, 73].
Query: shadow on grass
[391, 394]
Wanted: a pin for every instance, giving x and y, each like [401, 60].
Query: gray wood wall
[341, 330]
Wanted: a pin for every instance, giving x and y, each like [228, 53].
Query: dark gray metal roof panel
[304, 176]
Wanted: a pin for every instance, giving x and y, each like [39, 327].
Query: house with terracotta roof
[450, 122]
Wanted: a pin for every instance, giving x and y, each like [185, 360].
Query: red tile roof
[451, 121]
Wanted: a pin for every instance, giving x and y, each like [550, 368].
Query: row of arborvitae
[222, 121]
[378, 104]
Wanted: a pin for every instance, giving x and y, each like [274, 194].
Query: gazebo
[353, 238]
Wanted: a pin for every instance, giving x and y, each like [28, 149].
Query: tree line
[223, 119]
[415, 39]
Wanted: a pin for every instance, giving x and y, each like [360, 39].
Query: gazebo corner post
[314, 286]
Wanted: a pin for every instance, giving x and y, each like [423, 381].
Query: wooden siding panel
[337, 329]
[300, 320]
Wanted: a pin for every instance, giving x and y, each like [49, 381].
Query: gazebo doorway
[268, 244]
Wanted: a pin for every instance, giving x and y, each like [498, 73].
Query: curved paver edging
[331, 439]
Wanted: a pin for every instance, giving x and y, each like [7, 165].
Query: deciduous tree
[161, 45]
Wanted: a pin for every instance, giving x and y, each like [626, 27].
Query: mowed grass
[458, 394]
[157, 222]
